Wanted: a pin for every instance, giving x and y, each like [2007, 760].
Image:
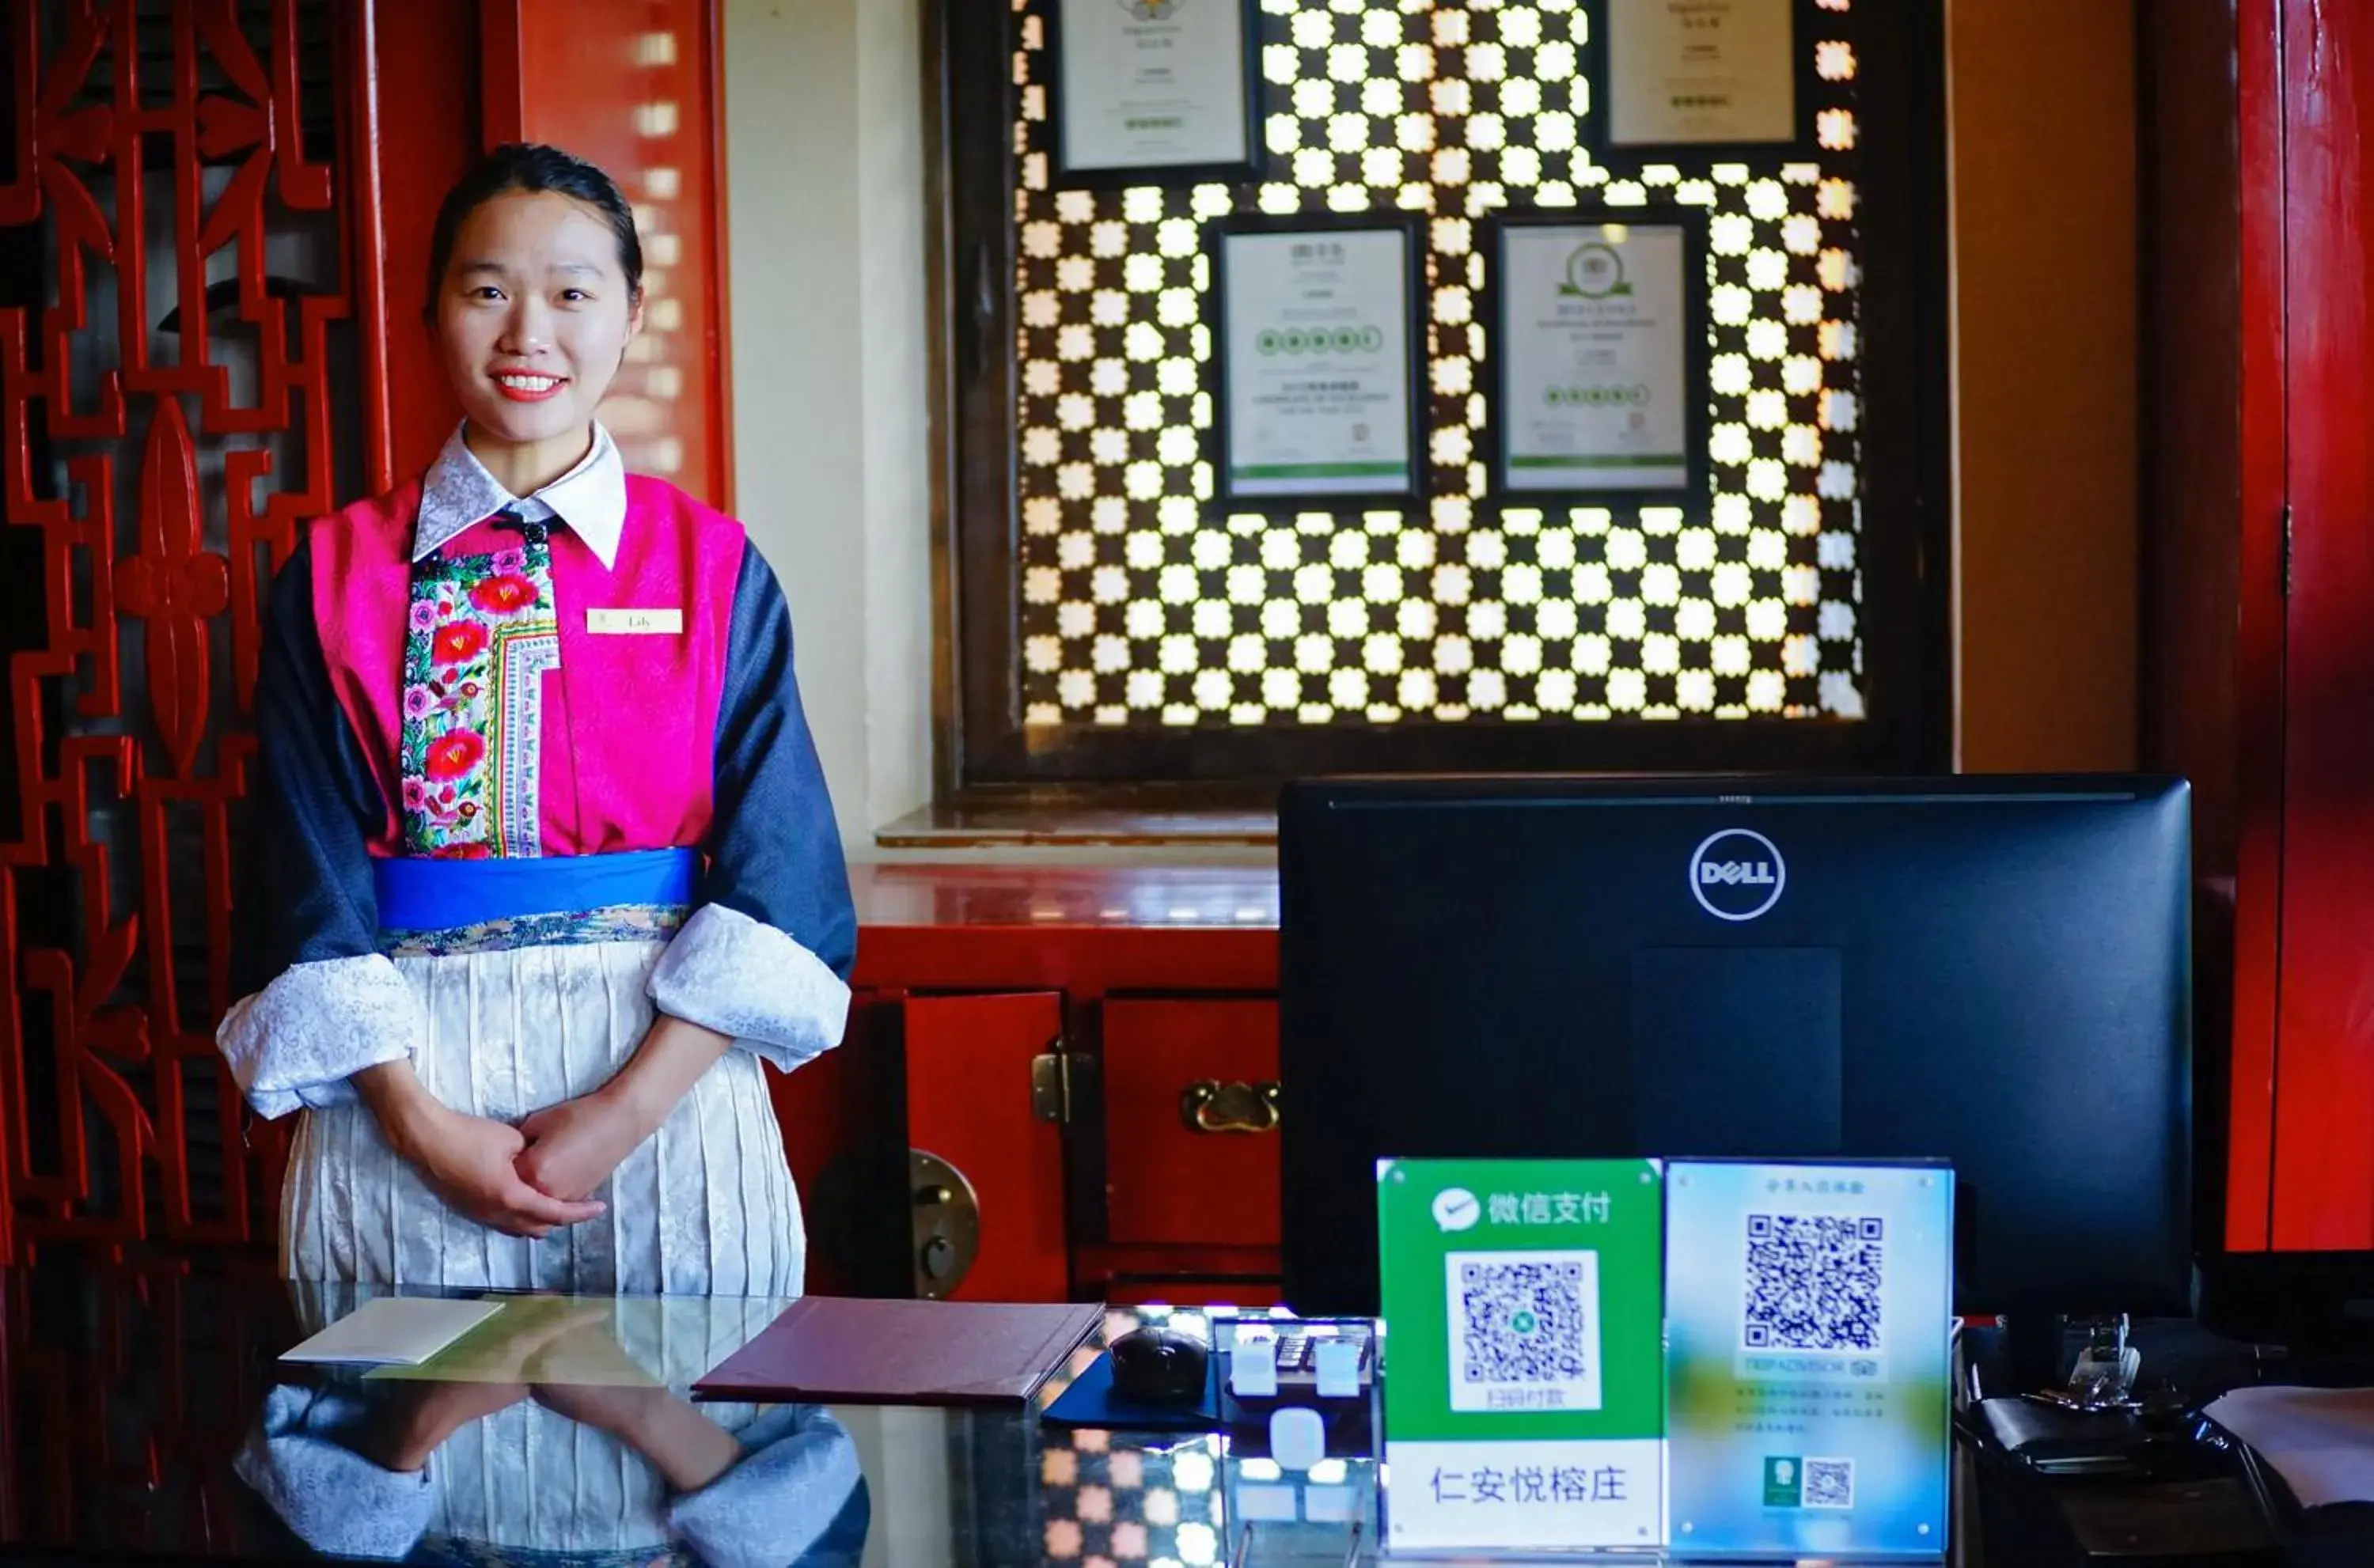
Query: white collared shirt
[459, 493]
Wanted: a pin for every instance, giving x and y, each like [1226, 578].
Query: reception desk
[145, 1413]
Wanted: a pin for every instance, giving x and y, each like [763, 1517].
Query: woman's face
[534, 315]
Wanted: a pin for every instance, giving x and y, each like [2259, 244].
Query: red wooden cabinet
[1045, 1027]
[970, 1072]
[1190, 1108]
[831, 1111]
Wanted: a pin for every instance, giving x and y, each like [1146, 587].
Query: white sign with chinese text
[1685, 72]
[1597, 393]
[1153, 83]
[1317, 366]
[1524, 1495]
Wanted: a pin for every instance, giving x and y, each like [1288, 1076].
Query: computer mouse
[1159, 1366]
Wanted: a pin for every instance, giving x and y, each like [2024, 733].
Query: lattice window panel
[1141, 605]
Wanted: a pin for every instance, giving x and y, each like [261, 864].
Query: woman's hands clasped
[473, 1164]
[531, 1179]
[470, 1162]
[573, 1147]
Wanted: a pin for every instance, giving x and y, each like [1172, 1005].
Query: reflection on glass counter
[145, 1411]
[563, 1432]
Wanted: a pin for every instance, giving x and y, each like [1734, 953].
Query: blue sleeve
[774, 847]
[308, 895]
[317, 1000]
[766, 958]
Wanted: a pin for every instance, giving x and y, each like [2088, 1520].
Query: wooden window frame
[983, 748]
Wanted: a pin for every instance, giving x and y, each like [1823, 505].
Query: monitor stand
[2103, 1378]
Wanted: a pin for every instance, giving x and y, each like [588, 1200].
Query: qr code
[1829, 1483]
[1813, 1283]
[1524, 1331]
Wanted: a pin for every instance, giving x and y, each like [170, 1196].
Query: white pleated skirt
[705, 1206]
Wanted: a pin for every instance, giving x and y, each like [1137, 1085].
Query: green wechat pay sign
[1525, 1396]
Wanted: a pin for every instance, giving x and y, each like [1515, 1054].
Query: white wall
[831, 426]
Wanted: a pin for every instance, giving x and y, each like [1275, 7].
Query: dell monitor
[1993, 971]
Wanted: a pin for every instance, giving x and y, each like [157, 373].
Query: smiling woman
[556, 868]
[535, 287]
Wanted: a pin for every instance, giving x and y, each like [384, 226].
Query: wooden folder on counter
[852, 1351]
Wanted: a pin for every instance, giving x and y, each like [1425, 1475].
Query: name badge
[631, 623]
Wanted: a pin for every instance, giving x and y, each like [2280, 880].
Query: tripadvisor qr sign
[1524, 1405]
[1807, 1359]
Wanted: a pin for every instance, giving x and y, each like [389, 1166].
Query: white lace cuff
[727, 972]
[298, 1041]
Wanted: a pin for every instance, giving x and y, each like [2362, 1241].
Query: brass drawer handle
[1210, 1106]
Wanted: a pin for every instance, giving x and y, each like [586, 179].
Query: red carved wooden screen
[131, 1397]
[182, 362]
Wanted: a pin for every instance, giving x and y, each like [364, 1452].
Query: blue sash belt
[420, 895]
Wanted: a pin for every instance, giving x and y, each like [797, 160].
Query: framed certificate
[1155, 92]
[1599, 355]
[1317, 337]
[1722, 78]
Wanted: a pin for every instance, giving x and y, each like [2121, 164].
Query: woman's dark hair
[532, 166]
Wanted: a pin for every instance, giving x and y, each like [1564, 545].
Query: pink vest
[630, 731]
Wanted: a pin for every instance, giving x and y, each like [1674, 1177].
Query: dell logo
[1737, 876]
[1734, 873]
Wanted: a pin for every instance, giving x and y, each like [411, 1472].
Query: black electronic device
[2318, 1306]
[1994, 971]
[1159, 1366]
